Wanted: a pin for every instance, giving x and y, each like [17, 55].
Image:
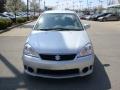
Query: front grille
[58, 72]
[57, 57]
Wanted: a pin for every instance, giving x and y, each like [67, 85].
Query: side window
[113, 15]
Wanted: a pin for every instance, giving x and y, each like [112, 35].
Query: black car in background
[96, 16]
[109, 17]
[93, 16]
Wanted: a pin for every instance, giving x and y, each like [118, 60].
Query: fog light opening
[85, 70]
[30, 69]
[91, 66]
[25, 67]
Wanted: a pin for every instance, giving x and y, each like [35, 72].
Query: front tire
[103, 19]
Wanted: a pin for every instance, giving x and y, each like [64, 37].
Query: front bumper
[81, 64]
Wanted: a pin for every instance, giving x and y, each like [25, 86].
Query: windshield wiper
[59, 29]
[44, 29]
[69, 29]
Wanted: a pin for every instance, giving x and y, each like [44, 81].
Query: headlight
[28, 50]
[100, 18]
[87, 50]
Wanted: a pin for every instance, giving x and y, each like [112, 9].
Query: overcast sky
[69, 3]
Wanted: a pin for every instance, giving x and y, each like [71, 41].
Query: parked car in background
[89, 17]
[58, 47]
[93, 16]
[10, 15]
[83, 17]
[1, 15]
[109, 17]
[21, 14]
[96, 16]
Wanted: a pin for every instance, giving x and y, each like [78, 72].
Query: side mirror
[86, 26]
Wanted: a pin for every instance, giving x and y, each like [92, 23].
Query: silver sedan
[58, 47]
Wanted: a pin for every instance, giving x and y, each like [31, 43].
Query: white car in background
[58, 47]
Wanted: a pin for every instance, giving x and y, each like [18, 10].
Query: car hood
[58, 41]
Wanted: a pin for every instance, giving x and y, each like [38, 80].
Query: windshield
[57, 21]
[108, 15]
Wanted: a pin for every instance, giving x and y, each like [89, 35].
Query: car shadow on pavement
[99, 80]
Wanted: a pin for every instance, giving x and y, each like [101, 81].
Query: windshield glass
[108, 15]
[57, 21]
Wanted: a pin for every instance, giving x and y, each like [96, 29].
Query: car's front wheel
[103, 19]
[100, 20]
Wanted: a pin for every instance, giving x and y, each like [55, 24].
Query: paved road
[106, 41]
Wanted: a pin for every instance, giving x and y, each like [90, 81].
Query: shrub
[25, 19]
[21, 20]
[33, 17]
[5, 22]
[9, 22]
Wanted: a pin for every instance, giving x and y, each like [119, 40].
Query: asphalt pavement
[106, 41]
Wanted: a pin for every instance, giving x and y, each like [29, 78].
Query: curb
[14, 26]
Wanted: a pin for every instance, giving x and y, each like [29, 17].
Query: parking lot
[106, 41]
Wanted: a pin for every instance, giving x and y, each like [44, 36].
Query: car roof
[59, 11]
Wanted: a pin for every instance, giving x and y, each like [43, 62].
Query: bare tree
[34, 6]
[2, 5]
[15, 5]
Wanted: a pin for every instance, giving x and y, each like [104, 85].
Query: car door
[113, 17]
